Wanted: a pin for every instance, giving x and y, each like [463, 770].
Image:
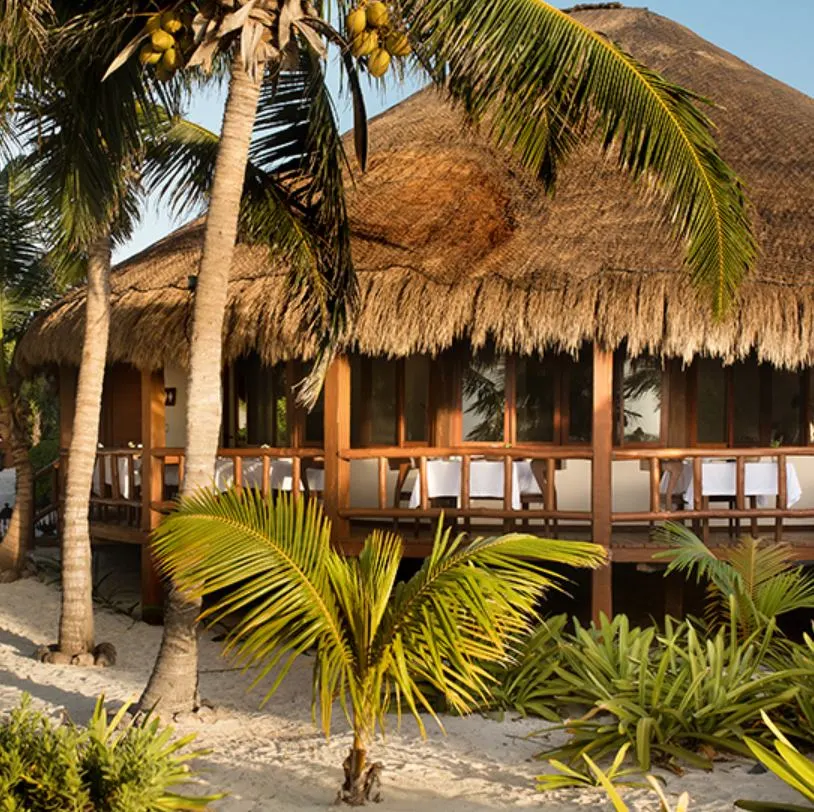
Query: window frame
[619, 357]
[765, 400]
[366, 422]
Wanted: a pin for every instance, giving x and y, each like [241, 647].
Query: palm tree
[84, 140]
[752, 582]
[378, 645]
[491, 58]
[25, 280]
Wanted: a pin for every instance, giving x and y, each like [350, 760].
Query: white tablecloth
[719, 478]
[280, 474]
[105, 463]
[485, 481]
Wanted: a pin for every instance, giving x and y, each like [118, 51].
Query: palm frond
[691, 556]
[541, 81]
[273, 559]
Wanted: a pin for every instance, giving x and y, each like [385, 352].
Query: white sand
[274, 759]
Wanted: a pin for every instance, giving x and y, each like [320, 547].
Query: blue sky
[774, 37]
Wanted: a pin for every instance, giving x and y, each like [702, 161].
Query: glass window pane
[416, 392]
[535, 387]
[712, 401]
[786, 408]
[580, 377]
[641, 399]
[747, 378]
[265, 407]
[373, 401]
[484, 397]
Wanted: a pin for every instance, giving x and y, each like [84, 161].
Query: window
[260, 394]
[637, 399]
[526, 399]
[389, 401]
[748, 404]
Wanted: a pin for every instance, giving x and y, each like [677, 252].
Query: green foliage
[673, 696]
[109, 766]
[376, 641]
[789, 765]
[616, 775]
[753, 581]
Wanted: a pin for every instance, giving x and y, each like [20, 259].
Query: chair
[538, 469]
[404, 465]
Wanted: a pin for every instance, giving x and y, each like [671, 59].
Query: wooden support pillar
[153, 422]
[601, 504]
[337, 438]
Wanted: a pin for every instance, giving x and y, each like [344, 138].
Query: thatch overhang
[451, 241]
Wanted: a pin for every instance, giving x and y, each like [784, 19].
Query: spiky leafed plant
[756, 579]
[25, 280]
[376, 641]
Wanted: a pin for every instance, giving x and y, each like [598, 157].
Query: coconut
[376, 13]
[171, 22]
[171, 59]
[379, 63]
[148, 55]
[356, 22]
[365, 43]
[153, 23]
[162, 40]
[397, 44]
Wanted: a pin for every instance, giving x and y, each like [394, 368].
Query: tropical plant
[753, 581]
[510, 53]
[675, 696]
[375, 642]
[25, 280]
[788, 764]
[617, 775]
[609, 780]
[112, 764]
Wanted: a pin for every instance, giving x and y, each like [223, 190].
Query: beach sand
[276, 759]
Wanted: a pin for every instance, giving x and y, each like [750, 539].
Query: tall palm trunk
[17, 539]
[76, 620]
[174, 681]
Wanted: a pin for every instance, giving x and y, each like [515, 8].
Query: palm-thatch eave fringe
[402, 313]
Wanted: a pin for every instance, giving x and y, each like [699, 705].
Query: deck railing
[733, 505]
[116, 486]
[239, 466]
[418, 458]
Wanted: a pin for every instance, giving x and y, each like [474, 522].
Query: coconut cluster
[170, 39]
[373, 36]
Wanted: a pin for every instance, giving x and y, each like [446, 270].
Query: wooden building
[515, 359]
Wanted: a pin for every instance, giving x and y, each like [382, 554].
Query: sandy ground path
[275, 759]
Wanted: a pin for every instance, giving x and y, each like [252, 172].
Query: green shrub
[674, 696]
[108, 766]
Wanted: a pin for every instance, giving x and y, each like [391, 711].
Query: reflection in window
[536, 386]
[484, 397]
[580, 377]
[262, 408]
[373, 401]
[786, 408]
[712, 402]
[747, 378]
[416, 396]
[638, 400]
[315, 419]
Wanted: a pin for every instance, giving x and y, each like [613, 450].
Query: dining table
[486, 480]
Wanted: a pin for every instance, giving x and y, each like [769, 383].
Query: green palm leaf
[272, 564]
[542, 81]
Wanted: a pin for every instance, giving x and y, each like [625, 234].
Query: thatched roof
[451, 241]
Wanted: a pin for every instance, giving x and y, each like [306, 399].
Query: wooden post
[601, 503]
[337, 438]
[152, 436]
